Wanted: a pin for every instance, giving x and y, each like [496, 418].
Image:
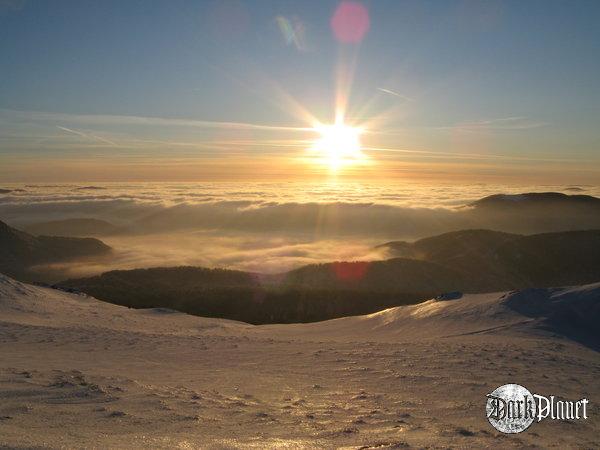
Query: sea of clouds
[262, 227]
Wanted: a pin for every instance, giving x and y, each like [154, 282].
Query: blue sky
[515, 80]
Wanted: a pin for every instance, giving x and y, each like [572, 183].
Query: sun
[338, 144]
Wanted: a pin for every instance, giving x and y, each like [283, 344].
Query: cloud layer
[263, 227]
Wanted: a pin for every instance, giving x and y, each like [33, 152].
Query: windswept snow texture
[76, 372]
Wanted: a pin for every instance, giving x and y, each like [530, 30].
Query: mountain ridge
[489, 262]
[20, 251]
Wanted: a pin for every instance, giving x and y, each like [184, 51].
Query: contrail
[87, 136]
[395, 94]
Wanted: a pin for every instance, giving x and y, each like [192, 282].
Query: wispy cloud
[474, 156]
[503, 123]
[104, 119]
[31, 129]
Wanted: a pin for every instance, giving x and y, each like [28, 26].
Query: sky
[490, 91]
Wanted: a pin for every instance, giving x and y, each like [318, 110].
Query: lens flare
[350, 22]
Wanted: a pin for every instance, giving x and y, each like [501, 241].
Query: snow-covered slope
[572, 311]
[35, 305]
[471, 314]
[79, 373]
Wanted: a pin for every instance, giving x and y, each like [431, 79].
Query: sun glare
[338, 144]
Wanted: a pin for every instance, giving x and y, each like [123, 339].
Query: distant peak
[535, 198]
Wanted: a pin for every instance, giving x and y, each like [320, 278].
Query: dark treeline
[233, 295]
[469, 261]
